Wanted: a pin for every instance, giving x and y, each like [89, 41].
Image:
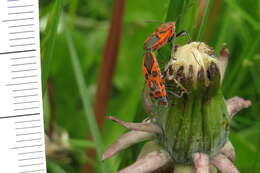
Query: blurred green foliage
[73, 34]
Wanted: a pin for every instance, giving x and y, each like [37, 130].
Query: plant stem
[108, 62]
[85, 99]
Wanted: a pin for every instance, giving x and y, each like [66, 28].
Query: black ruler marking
[19, 45]
[30, 108]
[19, 19]
[24, 25]
[29, 63]
[27, 121]
[25, 89]
[39, 170]
[22, 12]
[24, 134]
[27, 146]
[30, 127]
[19, 6]
[21, 96]
[23, 115]
[21, 38]
[32, 158]
[29, 140]
[34, 164]
[21, 51]
[21, 77]
[31, 95]
[24, 83]
[31, 152]
[17, 71]
[21, 32]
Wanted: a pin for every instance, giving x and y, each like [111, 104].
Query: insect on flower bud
[192, 68]
[190, 134]
[197, 121]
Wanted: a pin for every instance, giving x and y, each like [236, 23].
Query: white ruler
[21, 117]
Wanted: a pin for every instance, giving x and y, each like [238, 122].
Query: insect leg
[173, 45]
[178, 84]
[176, 95]
[184, 33]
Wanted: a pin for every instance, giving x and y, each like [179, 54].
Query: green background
[73, 35]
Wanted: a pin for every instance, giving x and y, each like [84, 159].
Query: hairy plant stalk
[145, 126]
[126, 141]
[224, 164]
[228, 151]
[235, 104]
[152, 161]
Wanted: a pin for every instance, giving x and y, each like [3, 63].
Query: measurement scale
[22, 147]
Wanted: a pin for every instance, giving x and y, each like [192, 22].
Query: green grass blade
[79, 143]
[256, 165]
[234, 5]
[178, 10]
[234, 83]
[203, 22]
[174, 10]
[85, 99]
[47, 46]
[223, 32]
[54, 167]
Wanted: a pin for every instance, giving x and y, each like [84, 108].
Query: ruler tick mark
[23, 134]
[29, 140]
[17, 103]
[31, 152]
[39, 170]
[29, 63]
[35, 164]
[28, 121]
[27, 146]
[24, 57]
[13, 20]
[20, 77]
[19, 45]
[21, 32]
[17, 71]
[22, 12]
[14, 26]
[21, 109]
[31, 127]
[22, 115]
[19, 6]
[25, 89]
[21, 51]
[32, 95]
[12, 84]
[23, 38]
[33, 158]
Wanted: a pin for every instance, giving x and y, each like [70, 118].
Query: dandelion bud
[198, 120]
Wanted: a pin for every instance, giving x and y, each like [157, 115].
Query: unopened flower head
[192, 66]
[197, 121]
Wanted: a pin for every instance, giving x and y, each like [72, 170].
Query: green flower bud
[197, 121]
